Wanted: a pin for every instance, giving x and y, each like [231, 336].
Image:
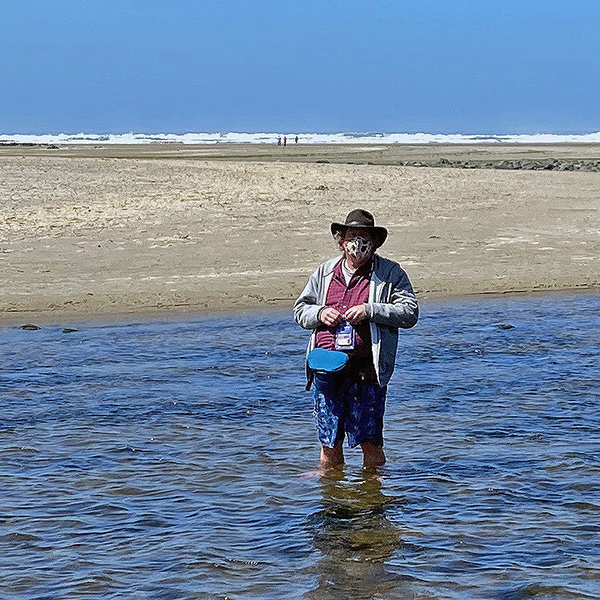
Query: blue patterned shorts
[348, 407]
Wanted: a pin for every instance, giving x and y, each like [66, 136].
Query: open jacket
[392, 304]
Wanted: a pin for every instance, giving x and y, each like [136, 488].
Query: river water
[178, 460]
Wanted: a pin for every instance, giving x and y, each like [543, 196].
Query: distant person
[279, 141]
[354, 305]
[285, 140]
[296, 139]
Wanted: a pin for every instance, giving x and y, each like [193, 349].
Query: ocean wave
[304, 138]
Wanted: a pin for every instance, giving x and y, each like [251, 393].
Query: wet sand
[171, 229]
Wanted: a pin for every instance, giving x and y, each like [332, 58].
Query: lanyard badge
[344, 336]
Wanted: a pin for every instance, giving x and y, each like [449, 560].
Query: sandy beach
[171, 229]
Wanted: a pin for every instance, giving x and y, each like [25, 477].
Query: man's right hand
[330, 317]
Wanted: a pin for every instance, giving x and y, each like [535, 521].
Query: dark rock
[322, 188]
[29, 327]
[505, 326]
[505, 164]
[565, 166]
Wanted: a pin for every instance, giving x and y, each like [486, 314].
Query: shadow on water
[355, 538]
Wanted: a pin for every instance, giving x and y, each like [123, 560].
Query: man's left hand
[355, 314]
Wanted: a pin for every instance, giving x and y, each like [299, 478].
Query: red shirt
[342, 297]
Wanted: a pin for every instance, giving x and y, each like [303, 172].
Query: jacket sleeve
[402, 309]
[306, 309]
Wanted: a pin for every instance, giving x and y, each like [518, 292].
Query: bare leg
[332, 457]
[373, 456]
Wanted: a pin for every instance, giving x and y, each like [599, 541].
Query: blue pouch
[327, 361]
[327, 367]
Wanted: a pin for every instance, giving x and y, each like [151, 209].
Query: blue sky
[108, 66]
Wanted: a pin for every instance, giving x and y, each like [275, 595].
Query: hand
[355, 314]
[330, 317]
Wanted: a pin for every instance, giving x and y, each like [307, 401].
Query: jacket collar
[375, 270]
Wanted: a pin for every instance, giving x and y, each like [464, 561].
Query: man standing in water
[355, 304]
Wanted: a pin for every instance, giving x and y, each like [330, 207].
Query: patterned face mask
[359, 248]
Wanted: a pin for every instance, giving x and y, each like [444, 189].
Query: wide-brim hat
[363, 220]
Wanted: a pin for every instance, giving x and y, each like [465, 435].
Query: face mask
[359, 248]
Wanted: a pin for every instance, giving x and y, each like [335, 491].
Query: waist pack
[327, 368]
[327, 361]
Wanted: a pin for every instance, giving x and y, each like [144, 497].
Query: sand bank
[140, 230]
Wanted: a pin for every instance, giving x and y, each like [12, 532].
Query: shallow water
[177, 460]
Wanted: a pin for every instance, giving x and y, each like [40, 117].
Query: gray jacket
[392, 304]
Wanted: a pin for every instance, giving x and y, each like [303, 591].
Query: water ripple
[177, 460]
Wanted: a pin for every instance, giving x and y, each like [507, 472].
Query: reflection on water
[355, 537]
[168, 461]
